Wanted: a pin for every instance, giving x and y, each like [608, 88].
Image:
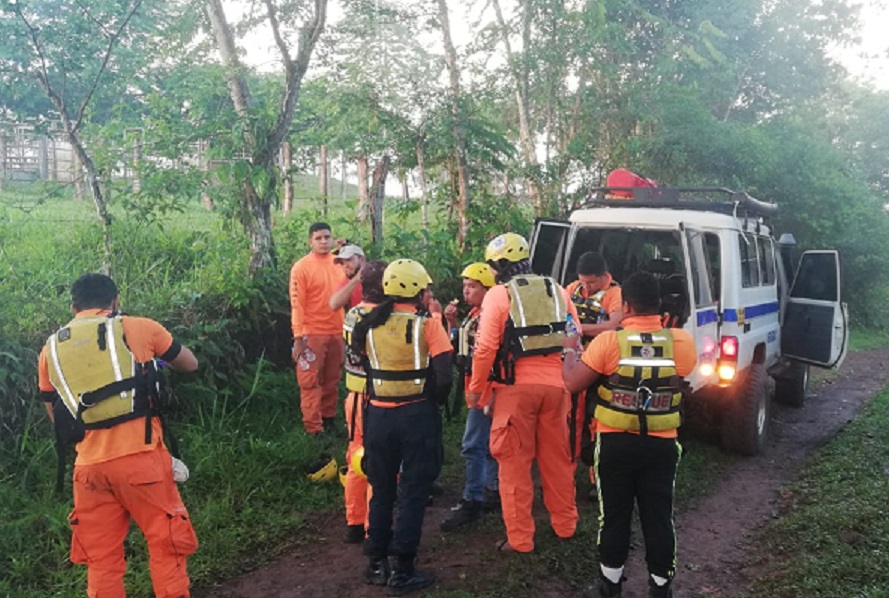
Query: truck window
[700, 269]
[766, 260]
[749, 260]
[816, 278]
[714, 259]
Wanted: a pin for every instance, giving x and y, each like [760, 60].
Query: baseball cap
[348, 251]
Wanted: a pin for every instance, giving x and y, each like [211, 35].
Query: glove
[180, 471]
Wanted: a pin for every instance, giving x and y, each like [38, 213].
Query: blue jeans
[481, 468]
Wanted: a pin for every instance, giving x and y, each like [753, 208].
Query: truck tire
[793, 389]
[745, 421]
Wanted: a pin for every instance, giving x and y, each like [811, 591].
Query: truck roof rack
[705, 199]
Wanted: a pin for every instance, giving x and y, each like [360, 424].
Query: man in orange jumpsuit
[597, 298]
[89, 372]
[317, 330]
[356, 489]
[519, 331]
[639, 371]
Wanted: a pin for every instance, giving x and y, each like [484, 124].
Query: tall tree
[68, 48]
[456, 125]
[263, 139]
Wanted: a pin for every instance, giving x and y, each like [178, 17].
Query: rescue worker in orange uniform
[638, 370]
[317, 330]
[597, 298]
[520, 338]
[98, 378]
[481, 490]
[409, 377]
[356, 488]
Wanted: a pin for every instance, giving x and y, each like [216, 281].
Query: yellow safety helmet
[481, 272]
[357, 462]
[508, 246]
[405, 278]
[322, 470]
[344, 469]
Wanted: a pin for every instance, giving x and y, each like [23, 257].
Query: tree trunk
[405, 192]
[324, 175]
[378, 194]
[363, 195]
[457, 126]
[287, 170]
[2, 159]
[424, 199]
[521, 94]
[343, 175]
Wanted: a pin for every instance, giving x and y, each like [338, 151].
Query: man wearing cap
[317, 331]
[350, 258]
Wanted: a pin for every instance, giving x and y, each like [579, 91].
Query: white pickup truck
[723, 279]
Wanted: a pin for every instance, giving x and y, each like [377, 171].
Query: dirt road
[716, 534]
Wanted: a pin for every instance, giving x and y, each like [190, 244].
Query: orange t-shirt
[436, 339]
[146, 339]
[535, 369]
[612, 300]
[603, 356]
[313, 279]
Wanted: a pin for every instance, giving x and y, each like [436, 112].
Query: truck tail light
[727, 366]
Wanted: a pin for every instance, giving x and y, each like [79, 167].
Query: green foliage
[831, 537]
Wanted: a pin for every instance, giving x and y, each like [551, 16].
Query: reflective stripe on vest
[399, 357]
[94, 372]
[465, 343]
[356, 377]
[643, 394]
[537, 311]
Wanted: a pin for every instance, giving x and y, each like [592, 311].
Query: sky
[867, 61]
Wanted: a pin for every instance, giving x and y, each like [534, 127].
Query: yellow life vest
[465, 343]
[589, 309]
[644, 392]
[399, 358]
[536, 323]
[356, 377]
[97, 377]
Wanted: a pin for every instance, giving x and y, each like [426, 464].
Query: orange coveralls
[313, 279]
[530, 422]
[118, 477]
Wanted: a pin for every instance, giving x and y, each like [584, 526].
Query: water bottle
[570, 327]
[302, 362]
[309, 354]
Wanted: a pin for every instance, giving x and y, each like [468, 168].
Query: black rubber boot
[603, 588]
[466, 512]
[656, 591]
[491, 501]
[354, 534]
[406, 578]
[378, 572]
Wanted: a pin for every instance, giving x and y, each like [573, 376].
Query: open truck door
[549, 247]
[816, 321]
[699, 296]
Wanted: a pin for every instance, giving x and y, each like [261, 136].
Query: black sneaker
[466, 512]
[603, 588]
[491, 500]
[354, 534]
[656, 591]
[378, 572]
[408, 580]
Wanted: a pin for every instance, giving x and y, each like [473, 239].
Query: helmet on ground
[481, 272]
[357, 462]
[405, 278]
[344, 469]
[508, 246]
[323, 469]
